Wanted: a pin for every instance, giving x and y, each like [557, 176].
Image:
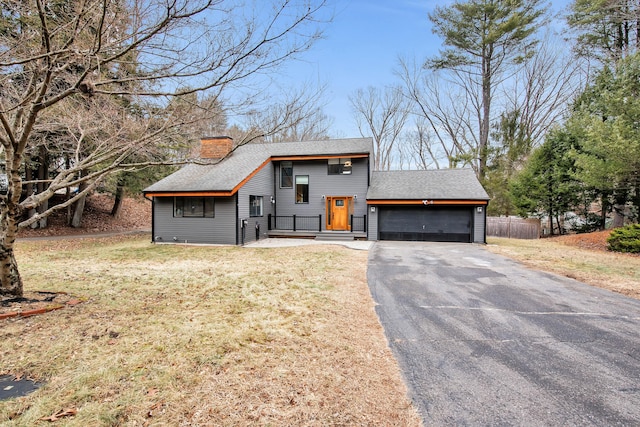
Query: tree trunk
[29, 189]
[117, 203]
[551, 213]
[42, 223]
[618, 216]
[10, 280]
[43, 175]
[76, 220]
[78, 208]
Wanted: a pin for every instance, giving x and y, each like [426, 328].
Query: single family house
[321, 189]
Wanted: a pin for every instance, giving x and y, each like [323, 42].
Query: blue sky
[361, 48]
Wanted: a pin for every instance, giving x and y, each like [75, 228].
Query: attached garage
[444, 205]
[426, 223]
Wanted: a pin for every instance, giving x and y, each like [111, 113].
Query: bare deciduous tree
[421, 147]
[449, 114]
[543, 88]
[539, 90]
[300, 118]
[95, 77]
[381, 115]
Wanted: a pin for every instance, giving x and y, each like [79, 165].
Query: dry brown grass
[176, 335]
[581, 257]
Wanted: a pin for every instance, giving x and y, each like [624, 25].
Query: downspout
[237, 213]
[368, 209]
[276, 183]
[153, 215]
[472, 234]
[485, 222]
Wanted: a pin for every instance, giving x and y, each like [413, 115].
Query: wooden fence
[513, 228]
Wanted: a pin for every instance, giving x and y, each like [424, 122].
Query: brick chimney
[215, 147]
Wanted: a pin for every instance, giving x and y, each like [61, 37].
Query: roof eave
[427, 202]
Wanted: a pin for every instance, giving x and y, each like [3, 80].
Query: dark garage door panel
[425, 223]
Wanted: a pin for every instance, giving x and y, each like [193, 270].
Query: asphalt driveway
[482, 340]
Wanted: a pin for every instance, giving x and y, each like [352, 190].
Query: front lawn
[183, 335]
[571, 257]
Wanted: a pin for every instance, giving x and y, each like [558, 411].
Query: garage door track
[482, 340]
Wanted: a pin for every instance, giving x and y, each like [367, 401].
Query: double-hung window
[255, 205]
[286, 174]
[302, 188]
[193, 207]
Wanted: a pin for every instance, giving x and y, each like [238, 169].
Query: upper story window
[302, 189]
[255, 205]
[286, 174]
[339, 166]
[193, 207]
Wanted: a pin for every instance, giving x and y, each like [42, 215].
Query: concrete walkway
[362, 245]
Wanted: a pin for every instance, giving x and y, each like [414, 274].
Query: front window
[286, 174]
[339, 166]
[302, 189]
[255, 205]
[193, 207]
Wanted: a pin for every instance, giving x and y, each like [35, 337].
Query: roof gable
[230, 173]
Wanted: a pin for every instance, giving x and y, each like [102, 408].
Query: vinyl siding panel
[373, 223]
[220, 229]
[261, 184]
[321, 183]
[479, 224]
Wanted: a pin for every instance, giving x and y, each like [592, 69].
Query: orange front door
[338, 215]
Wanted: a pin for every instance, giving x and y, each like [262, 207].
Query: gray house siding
[220, 229]
[479, 224]
[261, 184]
[322, 184]
[372, 223]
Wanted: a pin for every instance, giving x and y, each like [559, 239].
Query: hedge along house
[312, 189]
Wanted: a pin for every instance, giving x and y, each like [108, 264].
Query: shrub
[625, 239]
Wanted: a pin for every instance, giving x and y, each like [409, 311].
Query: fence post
[294, 223]
[364, 225]
[320, 223]
[269, 222]
[351, 223]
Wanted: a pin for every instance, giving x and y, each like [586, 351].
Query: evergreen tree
[605, 119]
[506, 159]
[546, 187]
[483, 38]
[608, 30]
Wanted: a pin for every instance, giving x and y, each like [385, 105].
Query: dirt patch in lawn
[596, 241]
